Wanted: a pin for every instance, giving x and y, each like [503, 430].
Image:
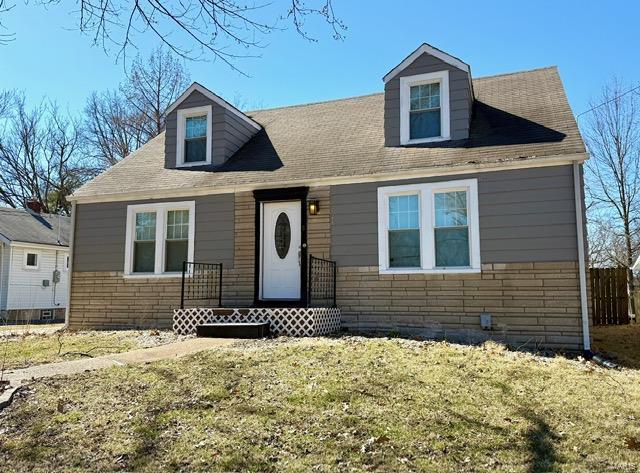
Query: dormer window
[193, 147]
[424, 108]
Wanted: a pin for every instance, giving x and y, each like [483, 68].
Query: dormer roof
[215, 98]
[425, 48]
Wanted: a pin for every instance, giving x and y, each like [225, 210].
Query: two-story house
[445, 206]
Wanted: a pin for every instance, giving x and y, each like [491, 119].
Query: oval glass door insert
[282, 237]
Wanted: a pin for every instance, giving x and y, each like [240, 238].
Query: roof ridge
[344, 99]
[319, 102]
[526, 71]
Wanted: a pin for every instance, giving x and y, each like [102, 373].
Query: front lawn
[345, 404]
[27, 349]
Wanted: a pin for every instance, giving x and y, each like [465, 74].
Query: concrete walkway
[143, 355]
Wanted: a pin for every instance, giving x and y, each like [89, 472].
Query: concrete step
[234, 330]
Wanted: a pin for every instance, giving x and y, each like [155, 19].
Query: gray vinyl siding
[228, 131]
[526, 215]
[100, 232]
[460, 98]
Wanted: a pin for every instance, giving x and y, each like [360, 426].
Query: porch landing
[295, 322]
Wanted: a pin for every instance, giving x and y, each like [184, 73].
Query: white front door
[281, 234]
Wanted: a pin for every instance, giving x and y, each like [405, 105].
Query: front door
[281, 250]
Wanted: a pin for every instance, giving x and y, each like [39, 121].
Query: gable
[230, 128]
[460, 93]
[430, 51]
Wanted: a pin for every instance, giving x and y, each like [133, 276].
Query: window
[451, 231]
[193, 146]
[429, 227]
[195, 139]
[424, 108]
[404, 231]
[31, 260]
[66, 262]
[159, 238]
[424, 111]
[144, 244]
[177, 241]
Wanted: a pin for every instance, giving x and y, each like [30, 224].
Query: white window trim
[38, 256]
[427, 223]
[65, 265]
[182, 116]
[161, 210]
[405, 100]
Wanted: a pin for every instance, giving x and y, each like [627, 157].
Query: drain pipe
[584, 306]
[72, 232]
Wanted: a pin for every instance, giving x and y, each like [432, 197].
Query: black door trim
[287, 193]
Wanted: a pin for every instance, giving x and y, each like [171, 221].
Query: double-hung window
[429, 227]
[193, 147]
[424, 108]
[160, 237]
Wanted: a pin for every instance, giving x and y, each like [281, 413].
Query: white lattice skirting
[290, 321]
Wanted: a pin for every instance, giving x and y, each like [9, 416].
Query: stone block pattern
[532, 304]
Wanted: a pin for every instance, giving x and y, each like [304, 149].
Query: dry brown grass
[345, 404]
[621, 343]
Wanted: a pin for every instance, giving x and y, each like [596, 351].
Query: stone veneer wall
[533, 304]
[107, 300]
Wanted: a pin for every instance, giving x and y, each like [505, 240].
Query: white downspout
[584, 305]
[72, 232]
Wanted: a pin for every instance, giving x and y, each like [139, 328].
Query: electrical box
[56, 276]
[485, 321]
[45, 283]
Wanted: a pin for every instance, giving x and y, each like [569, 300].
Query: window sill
[430, 271]
[418, 141]
[193, 164]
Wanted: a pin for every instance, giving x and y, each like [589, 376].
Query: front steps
[234, 330]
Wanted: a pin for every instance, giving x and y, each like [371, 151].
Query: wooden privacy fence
[609, 296]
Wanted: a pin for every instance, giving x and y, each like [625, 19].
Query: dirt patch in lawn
[28, 349]
[621, 343]
[344, 404]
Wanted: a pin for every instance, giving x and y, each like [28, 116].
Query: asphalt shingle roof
[518, 116]
[22, 226]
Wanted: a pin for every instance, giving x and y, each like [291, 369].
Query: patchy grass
[347, 404]
[22, 350]
[621, 343]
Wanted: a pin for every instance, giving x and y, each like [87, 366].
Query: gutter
[584, 307]
[72, 232]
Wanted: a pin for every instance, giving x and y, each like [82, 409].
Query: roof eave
[498, 165]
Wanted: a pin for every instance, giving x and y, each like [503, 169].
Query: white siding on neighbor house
[5, 254]
[25, 288]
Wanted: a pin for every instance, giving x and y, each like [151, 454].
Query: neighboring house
[34, 264]
[450, 204]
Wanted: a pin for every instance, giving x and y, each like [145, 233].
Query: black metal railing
[322, 282]
[201, 282]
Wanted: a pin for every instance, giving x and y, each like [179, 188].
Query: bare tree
[152, 85]
[111, 131]
[120, 121]
[39, 156]
[612, 135]
[220, 29]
